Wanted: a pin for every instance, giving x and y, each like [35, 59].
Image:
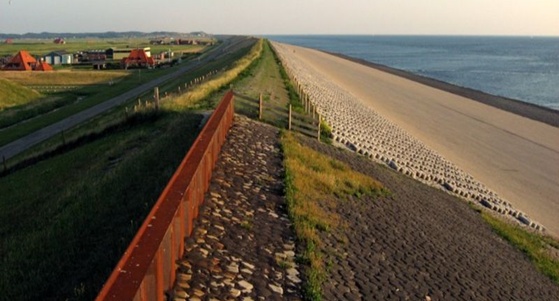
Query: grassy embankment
[65, 221]
[13, 94]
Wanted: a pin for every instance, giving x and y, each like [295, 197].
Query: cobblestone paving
[243, 247]
[420, 244]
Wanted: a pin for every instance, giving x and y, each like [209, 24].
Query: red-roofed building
[138, 58]
[43, 66]
[9, 41]
[23, 61]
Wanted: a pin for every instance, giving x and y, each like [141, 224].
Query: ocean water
[522, 68]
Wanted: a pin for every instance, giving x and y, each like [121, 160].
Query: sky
[263, 17]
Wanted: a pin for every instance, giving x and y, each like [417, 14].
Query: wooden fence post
[319, 120]
[260, 107]
[289, 119]
[156, 95]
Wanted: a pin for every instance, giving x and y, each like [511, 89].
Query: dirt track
[515, 156]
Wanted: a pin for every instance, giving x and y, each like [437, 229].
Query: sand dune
[480, 152]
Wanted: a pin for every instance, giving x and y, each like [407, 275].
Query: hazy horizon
[287, 17]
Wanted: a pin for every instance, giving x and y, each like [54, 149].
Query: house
[138, 58]
[59, 58]
[9, 41]
[23, 61]
[59, 41]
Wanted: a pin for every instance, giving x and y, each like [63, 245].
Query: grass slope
[76, 212]
[13, 94]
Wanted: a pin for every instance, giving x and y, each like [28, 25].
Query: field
[42, 47]
[78, 204]
[64, 77]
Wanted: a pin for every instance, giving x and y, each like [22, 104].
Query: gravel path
[243, 247]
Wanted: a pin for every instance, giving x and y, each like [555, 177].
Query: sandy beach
[515, 157]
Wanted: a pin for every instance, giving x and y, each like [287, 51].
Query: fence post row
[147, 268]
[260, 106]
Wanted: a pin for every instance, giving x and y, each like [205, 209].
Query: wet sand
[515, 156]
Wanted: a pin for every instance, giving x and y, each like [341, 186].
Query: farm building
[9, 41]
[138, 58]
[23, 61]
[119, 54]
[59, 41]
[91, 56]
[59, 57]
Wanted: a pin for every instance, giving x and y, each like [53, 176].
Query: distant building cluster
[98, 58]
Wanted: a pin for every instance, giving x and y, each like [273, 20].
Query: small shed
[59, 58]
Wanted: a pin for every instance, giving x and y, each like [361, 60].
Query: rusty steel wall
[147, 268]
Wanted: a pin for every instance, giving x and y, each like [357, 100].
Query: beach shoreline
[532, 111]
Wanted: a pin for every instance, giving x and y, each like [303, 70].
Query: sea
[521, 68]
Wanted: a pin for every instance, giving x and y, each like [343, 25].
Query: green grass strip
[314, 181]
[543, 251]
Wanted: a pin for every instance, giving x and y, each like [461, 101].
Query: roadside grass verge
[313, 182]
[543, 251]
[220, 83]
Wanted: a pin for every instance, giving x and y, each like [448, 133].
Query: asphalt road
[10, 150]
